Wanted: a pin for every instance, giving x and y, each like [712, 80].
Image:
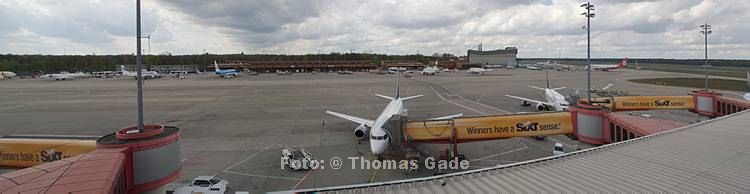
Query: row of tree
[88, 63]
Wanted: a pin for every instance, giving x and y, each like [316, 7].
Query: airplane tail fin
[549, 85]
[623, 63]
[122, 69]
[216, 67]
[398, 87]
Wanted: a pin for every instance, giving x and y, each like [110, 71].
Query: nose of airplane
[378, 146]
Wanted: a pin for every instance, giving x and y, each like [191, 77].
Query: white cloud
[639, 28]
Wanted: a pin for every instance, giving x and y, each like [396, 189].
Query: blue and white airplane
[376, 129]
[227, 73]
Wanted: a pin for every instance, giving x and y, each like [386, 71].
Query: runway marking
[503, 153]
[249, 157]
[455, 103]
[12, 107]
[260, 176]
[477, 102]
[480, 96]
[303, 179]
[373, 175]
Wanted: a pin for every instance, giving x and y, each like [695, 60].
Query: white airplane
[609, 67]
[531, 67]
[431, 70]
[65, 75]
[477, 70]
[146, 74]
[380, 136]
[747, 90]
[554, 100]
[7, 75]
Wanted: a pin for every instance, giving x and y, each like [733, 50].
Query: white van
[558, 149]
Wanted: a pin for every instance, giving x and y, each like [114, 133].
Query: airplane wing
[529, 100]
[367, 122]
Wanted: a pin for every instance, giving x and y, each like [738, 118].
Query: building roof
[94, 172]
[507, 50]
[711, 156]
[643, 126]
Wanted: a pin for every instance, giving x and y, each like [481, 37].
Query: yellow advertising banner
[22, 153]
[492, 127]
[649, 102]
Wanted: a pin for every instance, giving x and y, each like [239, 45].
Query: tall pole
[588, 15]
[706, 30]
[588, 52]
[139, 66]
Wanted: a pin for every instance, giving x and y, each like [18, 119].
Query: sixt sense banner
[491, 127]
[22, 153]
[652, 102]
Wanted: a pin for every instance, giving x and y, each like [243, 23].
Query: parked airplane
[611, 67]
[431, 70]
[531, 67]
[65, 75]
[7, 75]
[554, 100]
[145, 73]
[747, 90]
[227, 73]
[380, 136]
[477, 70]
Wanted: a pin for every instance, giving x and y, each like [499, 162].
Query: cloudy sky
[539, 28]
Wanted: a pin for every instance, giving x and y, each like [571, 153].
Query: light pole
[589, 7]
[706, 30]
[138, 64]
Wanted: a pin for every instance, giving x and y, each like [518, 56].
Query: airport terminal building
[505, 56]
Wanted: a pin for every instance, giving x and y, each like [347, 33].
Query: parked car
[204, 185]
[558, 149]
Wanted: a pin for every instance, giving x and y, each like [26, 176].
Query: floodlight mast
[138, 64]
[589, 7]
[706, 31]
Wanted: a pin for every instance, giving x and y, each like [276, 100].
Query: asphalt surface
[235, 128]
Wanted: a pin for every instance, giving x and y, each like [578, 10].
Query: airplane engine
[541, 107]
[361, 131]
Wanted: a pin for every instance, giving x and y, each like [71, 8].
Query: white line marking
[457, 104]
[503, 153]
[480, 96]
[260, 176]
[249, 157]
[481, 104]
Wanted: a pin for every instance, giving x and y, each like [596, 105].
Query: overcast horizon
[538, 28]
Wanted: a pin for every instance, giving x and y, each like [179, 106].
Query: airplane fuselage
[226, 72]
[7, 75]
[556, 99]
[379, 135]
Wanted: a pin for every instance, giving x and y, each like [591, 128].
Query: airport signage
[492, 127]
[653, 102]
[21, 153]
